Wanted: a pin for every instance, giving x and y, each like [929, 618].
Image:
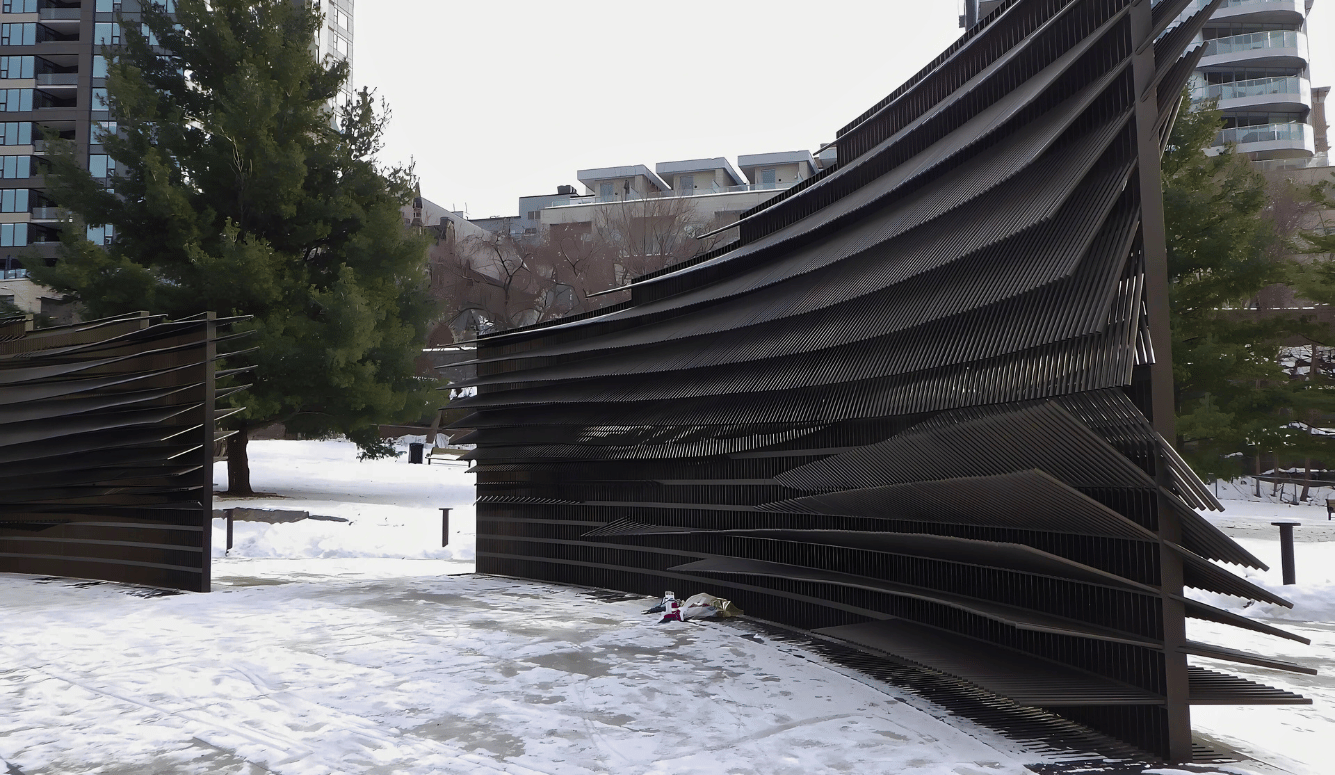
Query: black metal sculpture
[107, 432]
[921, 404]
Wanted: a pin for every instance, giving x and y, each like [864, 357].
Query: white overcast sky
[496, 99]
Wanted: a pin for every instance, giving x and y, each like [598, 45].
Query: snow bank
[392, 506]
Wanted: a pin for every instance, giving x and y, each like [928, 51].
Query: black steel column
[1152, 242]
[1286, 560]
[207, 433]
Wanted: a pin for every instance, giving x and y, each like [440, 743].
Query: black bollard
[444, 527]
[1286, 550]
[229, 530]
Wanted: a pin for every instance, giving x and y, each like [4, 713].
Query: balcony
[1257, 11]
[59, 14]
[1268, 141]
[1271, 48]
[1301, 163]
[48, 80]
[46, 213]
[1272, 95]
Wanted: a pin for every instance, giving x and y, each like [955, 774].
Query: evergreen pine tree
[1231, 392]
[238, 190]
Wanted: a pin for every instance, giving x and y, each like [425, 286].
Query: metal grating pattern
[107, 432]
[928, 388]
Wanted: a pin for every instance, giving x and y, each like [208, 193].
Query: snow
[292, 672]
[349, 647]
[365, 647]
[393, 507]
[1295, 738]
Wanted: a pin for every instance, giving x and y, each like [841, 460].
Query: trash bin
[415, 452]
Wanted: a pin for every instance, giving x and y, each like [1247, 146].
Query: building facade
[1255, 64]
[702, 193]
[335, 37]
[53, 79]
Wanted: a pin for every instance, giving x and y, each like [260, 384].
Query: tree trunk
[1258, 472]
[238, 465]
[1307, 478]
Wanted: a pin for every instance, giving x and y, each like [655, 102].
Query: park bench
[436, 441]
[443, 453]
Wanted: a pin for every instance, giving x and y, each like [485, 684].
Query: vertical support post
[1286, 551]
[1153, 235]
[210, 400]
[229, 530]
[445, 526]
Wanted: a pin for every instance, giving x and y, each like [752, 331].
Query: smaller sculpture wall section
[107, 432]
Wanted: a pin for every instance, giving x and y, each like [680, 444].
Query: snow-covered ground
[350, 647]
[1298, 738]
[393, 508]
[404, 673]
[332, 647]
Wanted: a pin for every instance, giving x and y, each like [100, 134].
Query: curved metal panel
[923, 396]
[106, 450]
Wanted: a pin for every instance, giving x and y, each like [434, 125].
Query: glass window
[341, 19]
[19, 6]
[13, 235]
[18, 34]
[15, 100]
[107, 6]
[14, 200]
[106, 34]
[101, 165]
[16, 166]
[99, 66]
[605, 192]
[341, 45]
[101, 235]
[100, 98]
[16, 67]
[101, 129]
[15, 132]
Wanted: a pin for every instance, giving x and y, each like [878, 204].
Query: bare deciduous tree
[496, 282]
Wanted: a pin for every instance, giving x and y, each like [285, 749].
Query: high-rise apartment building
[52, 78]
[1255, 64]
[335, 38]
[971, 11]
